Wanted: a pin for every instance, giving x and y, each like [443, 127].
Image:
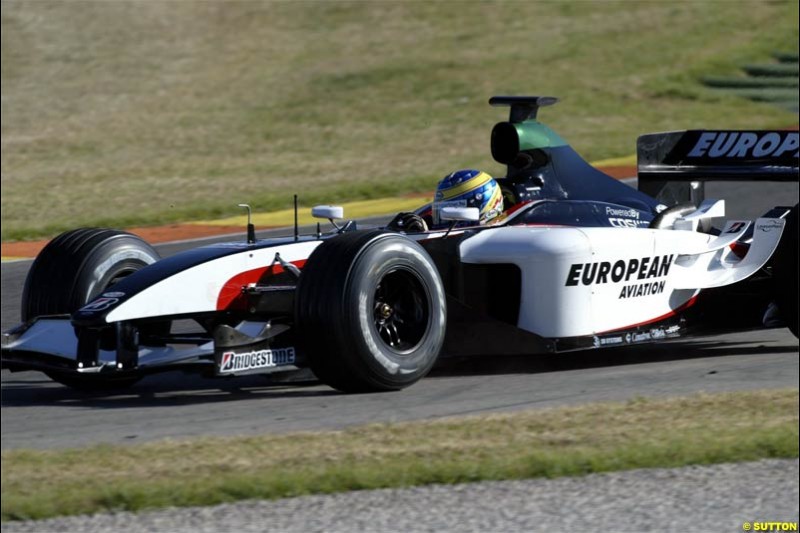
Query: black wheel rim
[401, 310]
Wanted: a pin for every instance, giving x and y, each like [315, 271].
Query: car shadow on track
[177, 388]
[585, 359]
[167, 389]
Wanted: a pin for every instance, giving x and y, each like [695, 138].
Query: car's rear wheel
[785, 271]
[370, 312]
[75, 268]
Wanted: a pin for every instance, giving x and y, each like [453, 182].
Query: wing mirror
[332, 213]
[328, 212]
[460, 214]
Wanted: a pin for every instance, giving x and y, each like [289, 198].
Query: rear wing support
[673, 166]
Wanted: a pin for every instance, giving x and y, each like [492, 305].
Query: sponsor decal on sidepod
[637, 336]
[735, 228]
[625, 218]
[627, 223]
[602, 272]
[629, 213]
[768, 227]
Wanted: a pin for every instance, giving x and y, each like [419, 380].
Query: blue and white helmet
[469, 188]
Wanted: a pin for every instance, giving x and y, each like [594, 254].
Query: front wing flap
[51, 343]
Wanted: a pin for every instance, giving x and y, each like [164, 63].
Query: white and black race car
[578, 261]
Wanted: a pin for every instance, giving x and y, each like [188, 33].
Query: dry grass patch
[699, 429]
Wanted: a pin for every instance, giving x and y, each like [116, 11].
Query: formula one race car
[579, 260]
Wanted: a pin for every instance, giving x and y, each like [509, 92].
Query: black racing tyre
[785, 271]
[73, 269]
[79, 265]
[370, 311]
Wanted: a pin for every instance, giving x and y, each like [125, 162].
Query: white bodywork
[649, 273]
[56, 336]
[574, 281]
[198, 289]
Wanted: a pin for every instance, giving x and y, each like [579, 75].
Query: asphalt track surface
[38, 413]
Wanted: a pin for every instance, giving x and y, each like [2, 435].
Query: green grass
[122, 113]
[642, 433]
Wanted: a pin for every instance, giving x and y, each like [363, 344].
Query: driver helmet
[468, 188]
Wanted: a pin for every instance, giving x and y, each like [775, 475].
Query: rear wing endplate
[705, 155]
[718, 265]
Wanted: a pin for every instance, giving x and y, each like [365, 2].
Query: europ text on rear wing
[672, 166]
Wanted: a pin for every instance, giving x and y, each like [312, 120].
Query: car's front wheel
[370, 312]
[72, 270]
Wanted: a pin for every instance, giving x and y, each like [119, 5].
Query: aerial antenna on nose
[251, 229]
[296, 228]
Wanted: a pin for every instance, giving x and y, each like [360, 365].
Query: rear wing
[672, 166]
